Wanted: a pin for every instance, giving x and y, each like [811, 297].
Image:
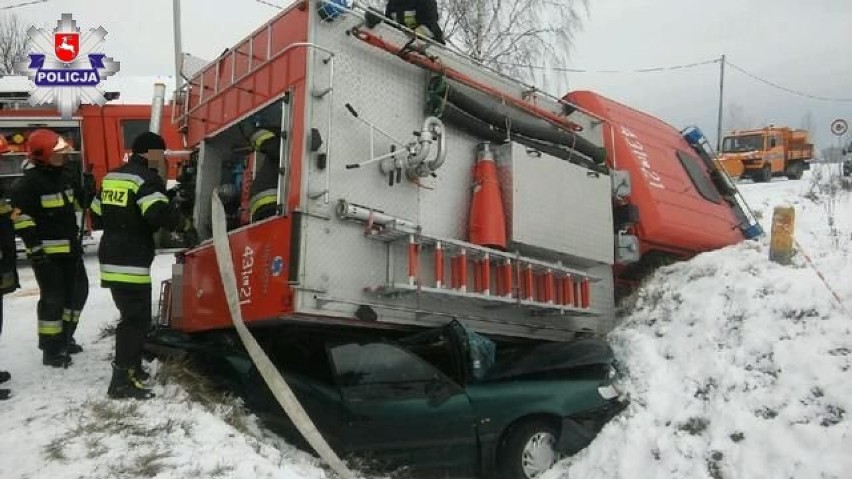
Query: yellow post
[781, 244]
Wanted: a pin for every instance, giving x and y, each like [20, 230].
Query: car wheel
[529, 450]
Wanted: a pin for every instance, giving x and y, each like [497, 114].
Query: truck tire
[795, 170]
[764, 175]
[528, 450]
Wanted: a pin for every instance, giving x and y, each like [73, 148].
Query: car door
[403, 411]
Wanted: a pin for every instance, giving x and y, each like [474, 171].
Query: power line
[638, 70]
[270, 4]
[785, 89]
[23, 4]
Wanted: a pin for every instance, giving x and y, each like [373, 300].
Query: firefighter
[44, 216]
[418, 15]
[263, 194]
[132, 206]
[8, 272]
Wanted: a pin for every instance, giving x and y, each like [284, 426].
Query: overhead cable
[22, 4]
[785, 89]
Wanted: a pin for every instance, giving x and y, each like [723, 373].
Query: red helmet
[42, 143]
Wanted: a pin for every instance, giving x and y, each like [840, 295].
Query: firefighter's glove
[39, 259]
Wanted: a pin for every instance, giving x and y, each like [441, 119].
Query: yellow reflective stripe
[35, 249]
[119, 184]
[96, 206]
[263, 137]
[262, 201]
[125, 278]
[265, 197]
[70, 315]
[23, 222]
[147, 201]
[56, 246]
[125, 274]
[50, 328]
[52, 201]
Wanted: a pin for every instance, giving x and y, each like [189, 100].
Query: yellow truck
[766, 152]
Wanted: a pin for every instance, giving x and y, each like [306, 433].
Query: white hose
[268, 371]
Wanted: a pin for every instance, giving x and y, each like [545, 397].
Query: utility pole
[178, 46]
[721, 103]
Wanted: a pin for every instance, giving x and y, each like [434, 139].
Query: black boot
[73, 347]
[140, 373]
[124, 384]
[5, 394]
[4, 376]
[70, 342]
[56, 358]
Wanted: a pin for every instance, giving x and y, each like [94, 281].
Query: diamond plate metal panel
[339, 265]
[555, 205]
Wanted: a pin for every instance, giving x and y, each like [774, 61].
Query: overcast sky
[801, 45]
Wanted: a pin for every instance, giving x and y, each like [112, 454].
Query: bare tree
[516, 37]
[14, 43]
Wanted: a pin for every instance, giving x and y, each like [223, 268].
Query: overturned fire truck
[416, 186]
[440, 207]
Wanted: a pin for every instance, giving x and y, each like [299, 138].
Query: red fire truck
[100, 136]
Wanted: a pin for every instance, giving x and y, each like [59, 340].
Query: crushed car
[444, 399]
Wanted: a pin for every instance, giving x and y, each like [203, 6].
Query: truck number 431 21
[247, 267]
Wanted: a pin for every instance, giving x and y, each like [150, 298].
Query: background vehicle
[101, 136]
[767, 152]
[441, 399]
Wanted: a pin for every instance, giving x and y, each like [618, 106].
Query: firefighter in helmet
[418, 15]
[131, 206]
[263, 202]
[44, 204]
[8, 260]
[8, 272]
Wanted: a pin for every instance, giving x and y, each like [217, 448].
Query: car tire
[528, 450]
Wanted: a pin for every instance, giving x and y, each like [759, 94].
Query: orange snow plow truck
[767, 152]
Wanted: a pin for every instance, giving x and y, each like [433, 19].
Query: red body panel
[248, 76]
[261, 262]
[673, 216]
[204, 304]
[101, 129]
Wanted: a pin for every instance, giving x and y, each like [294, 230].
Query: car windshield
[739, 144]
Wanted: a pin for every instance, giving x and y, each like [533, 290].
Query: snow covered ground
[736, 368]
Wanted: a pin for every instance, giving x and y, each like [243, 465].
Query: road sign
[839, 127]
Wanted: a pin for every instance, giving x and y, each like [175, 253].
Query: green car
[442, 400]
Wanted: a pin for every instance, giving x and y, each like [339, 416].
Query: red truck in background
[101, 136]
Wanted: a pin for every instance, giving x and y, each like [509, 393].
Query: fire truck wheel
[795, 170]
[764, 175]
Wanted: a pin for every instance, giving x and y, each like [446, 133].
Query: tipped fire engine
[416, 186]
